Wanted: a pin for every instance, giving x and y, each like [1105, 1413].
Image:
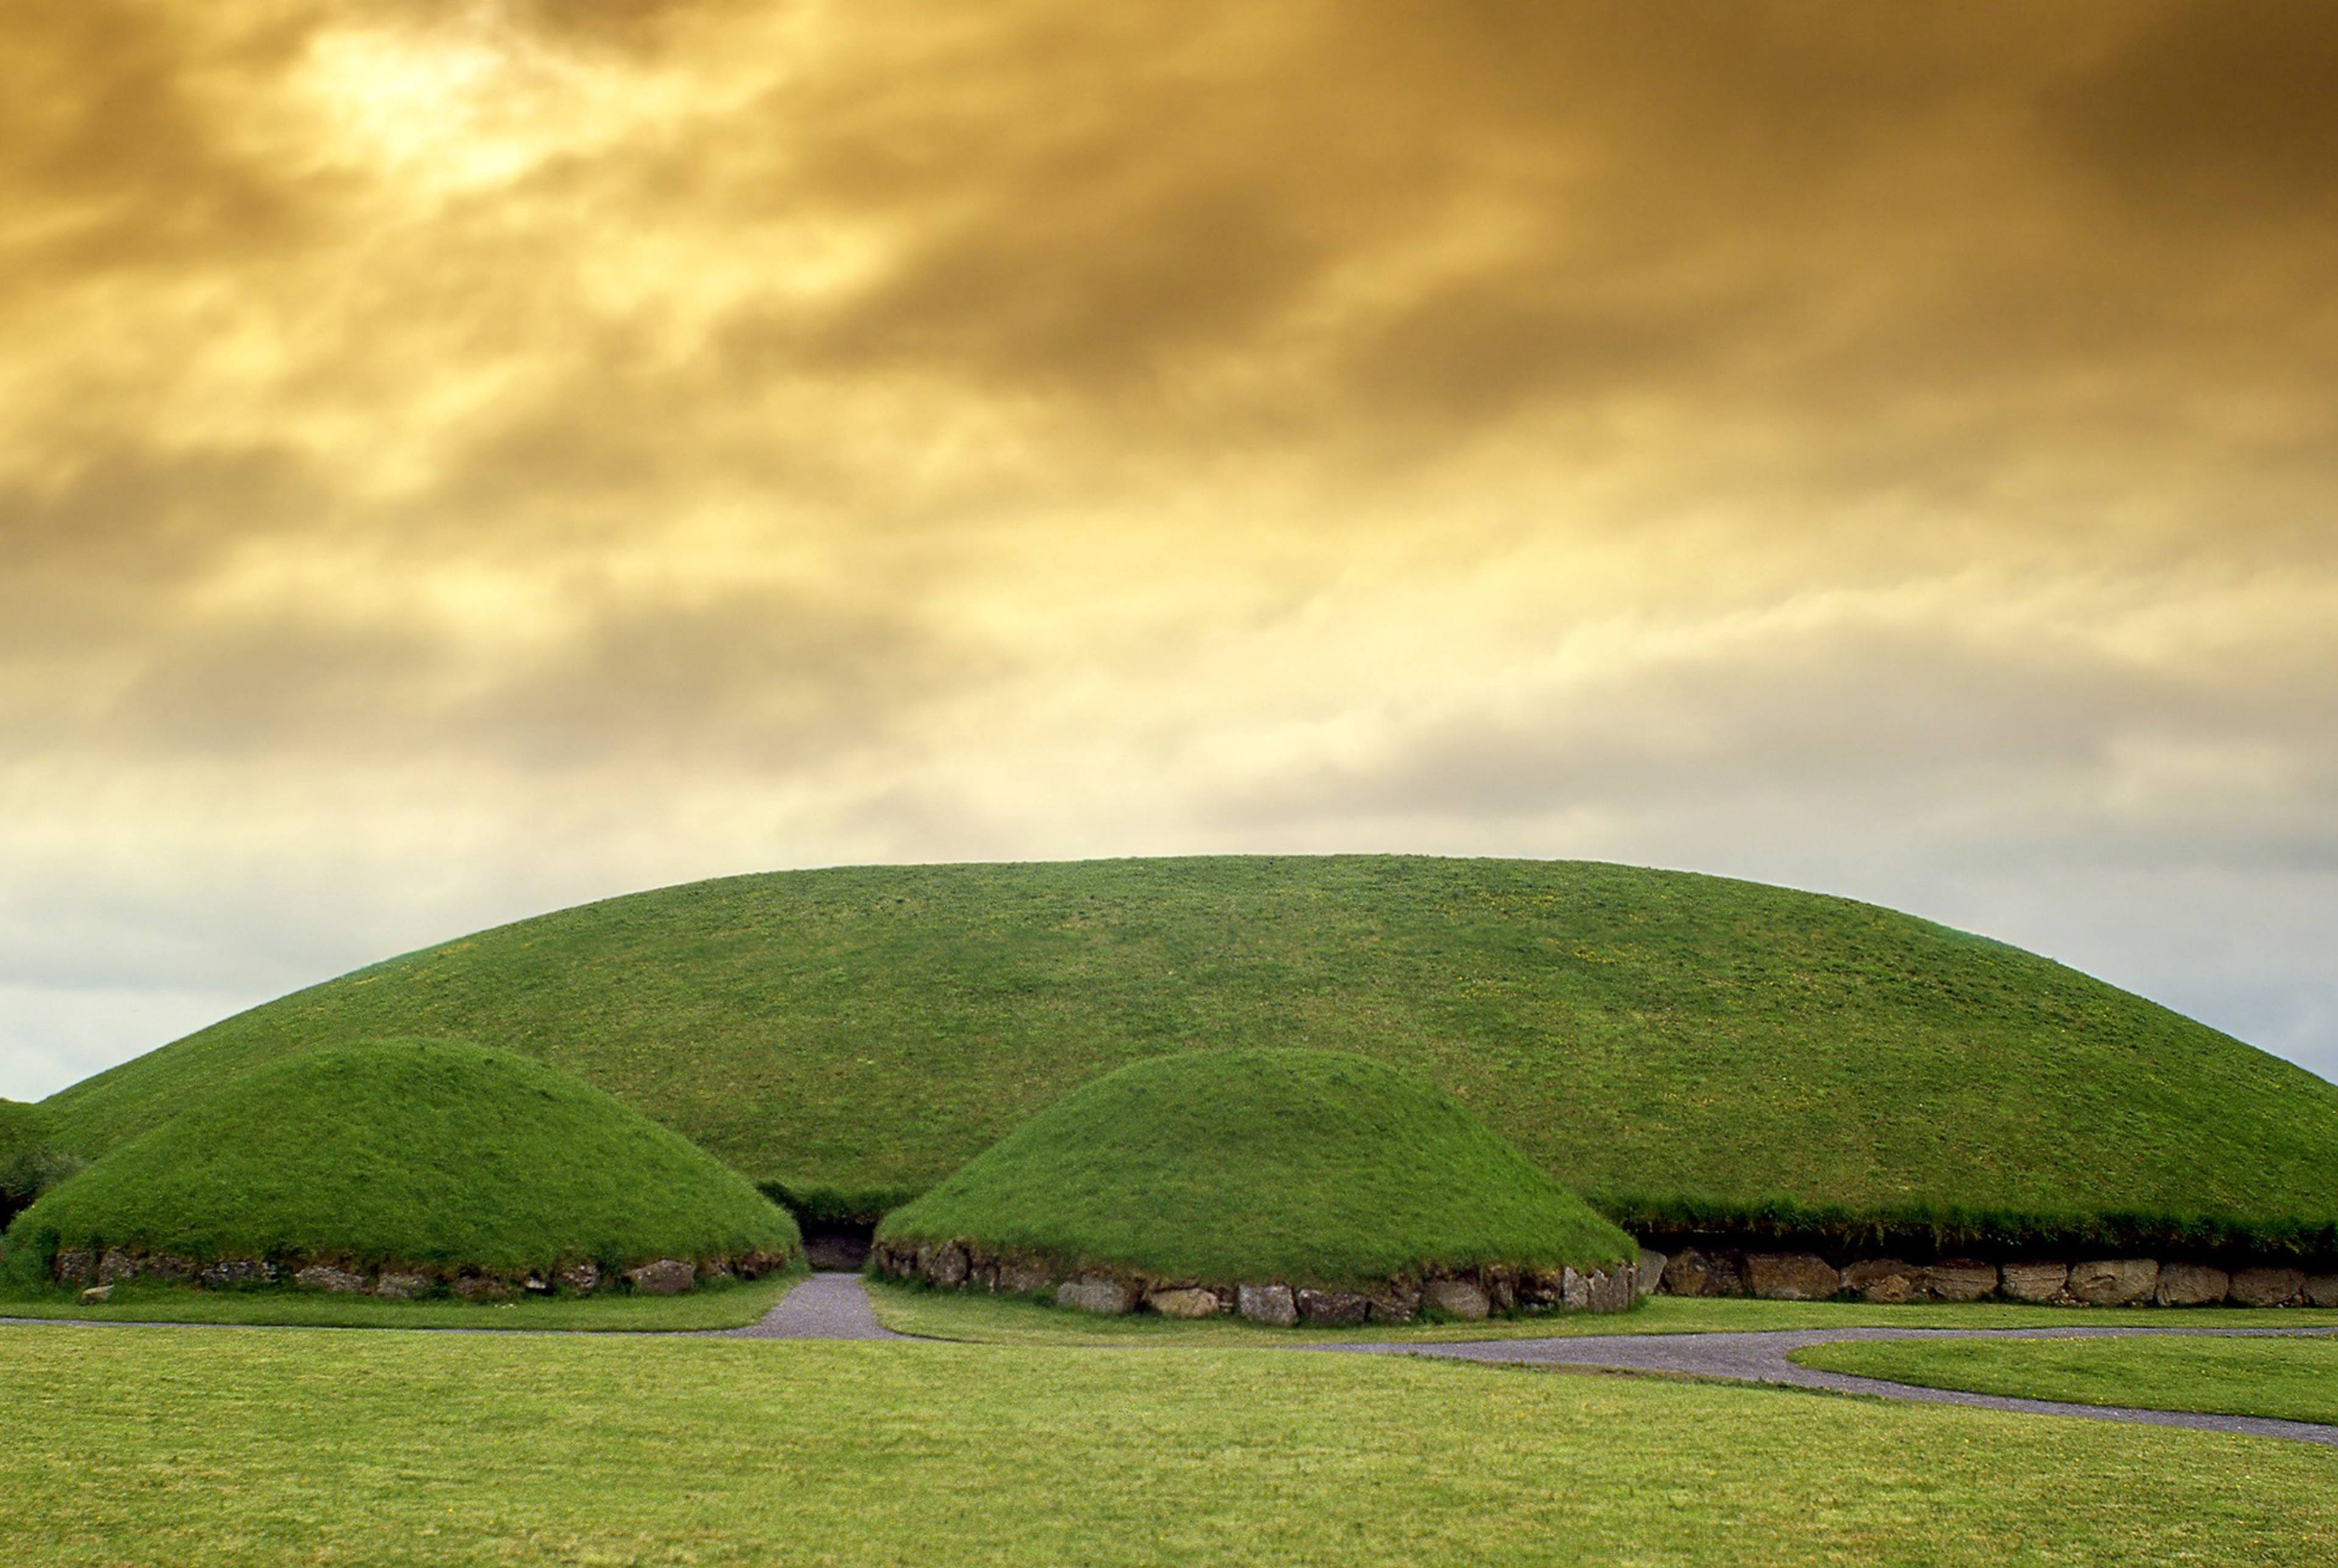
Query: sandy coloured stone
[2035, 1282]
[95, 1294]
[2322, 1290]
[2268, 1287]
[1960, 1280]
[2191, 1285]
[666, 1277]
[1792, 1277]
[1887, 1281]
[2114, 1282]
[1267, 1304]
[334, 1282]
[1188, 1302]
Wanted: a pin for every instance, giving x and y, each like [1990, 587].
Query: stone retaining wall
[2086, 1282]
[100, 1270]
[963, 1265]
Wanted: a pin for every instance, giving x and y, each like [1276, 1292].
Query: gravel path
[1761, 1358]
[828, 1306]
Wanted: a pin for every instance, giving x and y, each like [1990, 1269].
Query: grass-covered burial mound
[400, 1168]
[1281, 1184]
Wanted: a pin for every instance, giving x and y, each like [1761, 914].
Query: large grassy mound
[29, 1162]
[856, 1034]
[1310, 1167]
[417, 1152]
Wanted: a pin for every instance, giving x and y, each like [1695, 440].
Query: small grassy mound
[1311, 1167]
[413, 1153]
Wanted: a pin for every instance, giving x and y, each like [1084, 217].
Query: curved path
[1763, 1358]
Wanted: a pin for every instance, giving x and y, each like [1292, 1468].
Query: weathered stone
[1575, 1290]
[2114, 1282]
[2034, 1281]
[1395, 1304]
[230, 1272]
[1792, 1277]
[1886, 1281]
[2191, 1285]
[2268, 1287]
[1267, 1304]
[1608, 1291]
[486, 1288]
[1502, 1289]
[666, 1277]
[2322, 1289]
[1189, 1302]
[116, 1265]
[74, 1267]
[166, 1266]
[1334, 1309]
[1023, 1278]
[335, 1282]
[1960, 1280]
[95, 1294]
[403, 1287]
[946, 1265]
[1456, 1298]
[714, 1268]
[756, 1264]
[1694, 1273]
[582, 1278]
[1105, 1296]
[1651, 1276]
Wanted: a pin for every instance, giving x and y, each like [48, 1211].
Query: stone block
[1187, 1302]
[1395, 1304]
[2268, 1287]
[1333, 1308]
[946, 1265]
[666, 1277]
[230, 1272]
[2114, 1282]
[1960, 1280]
[1886, 1281]
[1267, 1304]
[1792, 1277]
[403, 1287]
[1104, 1296]
[2322, 1289]
[333, 1281]
[2035, 1282]
[1651, 1276]
[1024, 1278]
[2191, 1285]
[1456, 1298]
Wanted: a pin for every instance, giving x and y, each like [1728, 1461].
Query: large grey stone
[1791, 1277]
[399, 1286]
[1960, 1280]
[1267, 1304]
[1187, 1301]
[1104, 1296]
[1610, 1291]
[1333, 1308]
[2034, 1281]
[947, 1265]
[666, 1277]
[2268, 1287]
[1575, 1290]
[2322, 1289]
[2114, 1282]
[1886, 1281]
[334, 1282]
[2191, 1285]
[1690, 1272]
[1651, 1276]
[1456, 1297]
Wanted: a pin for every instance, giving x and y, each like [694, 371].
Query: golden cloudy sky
[457, 460]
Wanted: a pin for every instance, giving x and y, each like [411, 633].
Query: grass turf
[246, 1449]
[856, 1034]
[414, 1152]
[1311, 1167]
[718, 1304]
[2290, 1379]
[928, 1313]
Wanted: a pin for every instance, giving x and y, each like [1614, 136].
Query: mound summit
[851, 1036]
[427, 1161]
[1295, 1169]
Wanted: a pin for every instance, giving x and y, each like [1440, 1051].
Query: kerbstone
[1962, 1279]
[1105, 1297]
[1267, 1304]
[2035, 1282]
[2268, 1287]
[666, 1277]
[1887, 1281]
[2191, 1285]
[1456, 1297]
[1183, 1303]
[2114, 1282]
[1792, 1277]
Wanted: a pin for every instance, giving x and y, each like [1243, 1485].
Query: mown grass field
[856, 1034]
[911, 1309]
[721, 1304]
[120, 1446]
[2291, 1379]
[410, 1152]
[1309, 1167]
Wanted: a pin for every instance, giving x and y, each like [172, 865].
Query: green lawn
[1308, 1167]
[2292, 1379]
[228, 1448]
[1010, 1320]
[856, 1034]
[716, 1305]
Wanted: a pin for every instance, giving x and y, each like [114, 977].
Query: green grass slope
[410, 1151]
[29, 1164]
[856, 1034]
[1312, 1167]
